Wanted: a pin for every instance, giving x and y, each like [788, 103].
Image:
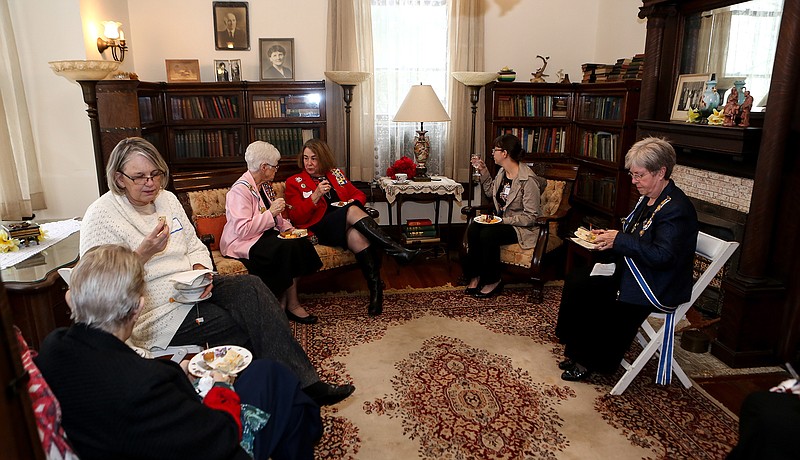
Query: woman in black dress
[256, 233]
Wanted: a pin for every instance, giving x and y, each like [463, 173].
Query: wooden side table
[438, 189]
[36, 290]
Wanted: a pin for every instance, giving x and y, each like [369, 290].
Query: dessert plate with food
[229, 359]
[487, 219]
[293, 234]
[585, 238]
[339, 204]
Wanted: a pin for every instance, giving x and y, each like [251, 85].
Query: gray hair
[105, 287]
[260, 152]
[652, 153]
[124, 152]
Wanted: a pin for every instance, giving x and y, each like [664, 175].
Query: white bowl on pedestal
[475, 78]
[75, 70]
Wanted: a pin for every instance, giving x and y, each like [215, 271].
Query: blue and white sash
[664, 374]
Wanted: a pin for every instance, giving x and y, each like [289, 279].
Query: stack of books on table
[417, 231]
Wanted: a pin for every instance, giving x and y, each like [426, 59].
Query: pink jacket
[248, 217]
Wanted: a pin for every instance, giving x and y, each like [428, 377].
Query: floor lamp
[347, 79]
[474, 81]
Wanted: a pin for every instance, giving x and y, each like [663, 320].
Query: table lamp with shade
[347, 79]
[474, 81]
[420, 105]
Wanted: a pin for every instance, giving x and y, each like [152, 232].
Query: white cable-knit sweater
[113, 220]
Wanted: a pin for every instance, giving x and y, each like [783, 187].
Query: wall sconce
[114, 39]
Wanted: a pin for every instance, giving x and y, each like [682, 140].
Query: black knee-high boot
[370, 262]
[370, 229]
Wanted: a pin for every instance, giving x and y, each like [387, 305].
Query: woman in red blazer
[323, 200]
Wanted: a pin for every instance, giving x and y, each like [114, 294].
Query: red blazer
[304, 213]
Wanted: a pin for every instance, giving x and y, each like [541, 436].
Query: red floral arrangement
[403, 165]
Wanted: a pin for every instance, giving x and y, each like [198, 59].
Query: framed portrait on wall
[277, 58]
[231, 26]
[688, 94]
[183, 70]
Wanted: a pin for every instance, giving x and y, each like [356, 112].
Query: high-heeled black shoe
[575, 375]
[485, 295]
[566, 364]
[310, 319]
[472, 291]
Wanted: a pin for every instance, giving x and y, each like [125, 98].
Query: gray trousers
[242, 311]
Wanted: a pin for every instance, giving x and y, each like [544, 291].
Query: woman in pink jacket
[252, 233]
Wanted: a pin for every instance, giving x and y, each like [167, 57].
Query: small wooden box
[25, 232]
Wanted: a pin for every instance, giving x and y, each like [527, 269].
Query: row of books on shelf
[149, 112]
[602, 107]
[600, 190]
[288, 141]
[204, 107]
[600, 145]
[417, 231]
[528, 105]
[304, 106]
[198, 143]
[622, 69]
[269, 108]
[540, 139]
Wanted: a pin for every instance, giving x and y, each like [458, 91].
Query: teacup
[401, 177]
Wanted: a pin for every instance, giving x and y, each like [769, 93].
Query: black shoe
[566, 364]
[485, 295]
[370, 262]
[372, 231]
[575, 375]
[326, 394]
[472, 291]
[310, 319]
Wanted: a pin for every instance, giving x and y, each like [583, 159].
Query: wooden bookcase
[592, 125]
[208, 126]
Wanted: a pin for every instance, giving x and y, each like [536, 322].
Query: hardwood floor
[429, 271]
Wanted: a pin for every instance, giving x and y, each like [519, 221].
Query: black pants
[483, 250]
[595, 328]
[768, 426]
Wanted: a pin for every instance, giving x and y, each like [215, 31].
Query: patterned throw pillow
[45, 408]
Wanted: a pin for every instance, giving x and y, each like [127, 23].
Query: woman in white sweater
[236, 310]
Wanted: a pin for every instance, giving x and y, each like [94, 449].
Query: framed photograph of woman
[236, 69]
[222, 70]
[277, 58]
[688, 94]
[231, 26]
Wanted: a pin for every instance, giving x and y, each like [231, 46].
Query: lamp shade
[421, 104]
[347, 77]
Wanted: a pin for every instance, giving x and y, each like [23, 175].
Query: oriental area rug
[440, 375]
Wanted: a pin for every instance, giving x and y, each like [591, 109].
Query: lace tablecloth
[445, 186]
[56, 231]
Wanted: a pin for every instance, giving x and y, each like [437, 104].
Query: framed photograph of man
[277, 58]
[183, 70]
[688, 94]
[231, 26]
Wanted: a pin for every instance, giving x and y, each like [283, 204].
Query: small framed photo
[236, 69]
[222, 70]
[277, 58]
[231, 26]
[183, 70]
[688, 94]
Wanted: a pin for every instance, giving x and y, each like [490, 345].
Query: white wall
[571, 33]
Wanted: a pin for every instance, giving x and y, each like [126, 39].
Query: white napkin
[190, 276]
[603, 269]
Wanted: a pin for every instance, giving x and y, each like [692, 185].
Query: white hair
[260, 152]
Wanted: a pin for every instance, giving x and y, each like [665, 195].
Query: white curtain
[410, 41]
[465, 45]
[350, 48]
[20, 184]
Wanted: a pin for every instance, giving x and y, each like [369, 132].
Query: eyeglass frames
[141, 180]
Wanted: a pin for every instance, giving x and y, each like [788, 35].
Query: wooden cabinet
[208, 126]
[588, 124]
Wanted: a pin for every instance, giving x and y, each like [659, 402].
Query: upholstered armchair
[552, 226]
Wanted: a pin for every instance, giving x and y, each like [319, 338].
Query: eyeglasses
[141, 180]
[637, 176]
[497, 149]
[275, 167]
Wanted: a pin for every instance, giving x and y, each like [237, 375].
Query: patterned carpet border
[671, 422]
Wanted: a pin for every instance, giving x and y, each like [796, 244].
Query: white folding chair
[718, 252]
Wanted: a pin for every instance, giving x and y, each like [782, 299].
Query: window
[409, 47]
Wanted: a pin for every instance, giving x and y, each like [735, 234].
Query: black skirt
[277, 262]
[331, 230]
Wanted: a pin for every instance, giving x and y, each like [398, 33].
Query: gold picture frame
[688, 94]
[183, 70]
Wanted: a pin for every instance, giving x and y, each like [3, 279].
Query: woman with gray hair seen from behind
[88, 367]
[139, 213]
[653, 256]
[257, 234]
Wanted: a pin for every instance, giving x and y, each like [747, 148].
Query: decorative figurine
[731, 108]
[538, 76]
[747, 105]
